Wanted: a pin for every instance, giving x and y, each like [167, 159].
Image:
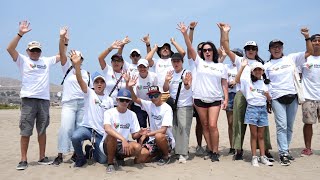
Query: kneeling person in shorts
[119, 122]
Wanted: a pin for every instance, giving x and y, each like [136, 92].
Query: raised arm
[115, 45]
[150, 55]
[76, 62]
[167, 80]
[146, 40]
[125, 41]
[178, 47]
[222, 54]
[224, 40]
[23, 29]
[187, 81]
[244, 63]
[192, 26]
[309, 47]
[63, 44]
[130, 84]
[183, 29]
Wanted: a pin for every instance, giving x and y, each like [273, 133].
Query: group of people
[155, 100]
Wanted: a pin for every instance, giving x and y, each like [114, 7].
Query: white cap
[255, 65]
[33, 45]
[250, 43]
[135, 50]
[143, 62]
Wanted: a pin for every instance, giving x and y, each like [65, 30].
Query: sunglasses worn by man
[156, 95]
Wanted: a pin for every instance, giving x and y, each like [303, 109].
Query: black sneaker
[22, 165]
[57, 161]
[73, 157]
[163, 161]
[284, 160]
[238, 156]
[215, 157]
[80, 162]
[89, 151]
[44, 161]
[232, 151]
[290, 157]
[270, 157]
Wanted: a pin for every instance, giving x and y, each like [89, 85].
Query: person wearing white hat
[35, 95]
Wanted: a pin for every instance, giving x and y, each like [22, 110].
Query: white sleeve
[107, 117]
[167, 118]
[146, 105]
[224, 73]
[20, 60]
[298, 58]
[135, 126]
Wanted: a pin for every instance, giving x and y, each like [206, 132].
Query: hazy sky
[95, 24]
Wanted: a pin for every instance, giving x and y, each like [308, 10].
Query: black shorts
[202, 104]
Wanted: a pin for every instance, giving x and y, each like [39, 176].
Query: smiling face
[165, 52]
[316, 45]
[134, 56]
[251, 51]
[117, 64]
[257, 72]
[155, 98]
[34, 53]
[276, 50]
[143, 71]
[99, 85]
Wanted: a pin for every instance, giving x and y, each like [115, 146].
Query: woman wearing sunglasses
[280, 70]
[210, 87]
[240, 103]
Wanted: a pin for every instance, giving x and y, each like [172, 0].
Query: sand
[195, 168]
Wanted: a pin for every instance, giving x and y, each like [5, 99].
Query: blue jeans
[71, 118]
[83, 133]
[284, 115]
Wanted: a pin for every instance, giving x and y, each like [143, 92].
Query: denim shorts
[256, 115]
[230, 101]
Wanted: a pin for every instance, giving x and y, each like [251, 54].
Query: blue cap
[124, 94]
[97, 75]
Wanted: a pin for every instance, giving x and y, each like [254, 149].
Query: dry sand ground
[196, 168]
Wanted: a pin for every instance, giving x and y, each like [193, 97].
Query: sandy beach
[195, 168]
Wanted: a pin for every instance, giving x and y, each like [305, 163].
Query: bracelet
[191, 28]
[147, 44]
[19, 35]
[307, 39]
[66, 44]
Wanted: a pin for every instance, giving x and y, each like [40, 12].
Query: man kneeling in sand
[159, 139]
[119, 122]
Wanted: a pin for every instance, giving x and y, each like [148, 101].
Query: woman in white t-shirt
[280, 71]
[183, 114]
[256, 92]
[240, 103]
[210, 87]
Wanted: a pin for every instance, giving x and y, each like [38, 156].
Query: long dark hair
[214, 49]
[265, 80]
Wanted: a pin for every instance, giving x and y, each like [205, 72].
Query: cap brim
[153, 92]
[122, 97]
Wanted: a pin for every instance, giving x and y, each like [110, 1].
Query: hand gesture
[305, 32]
[125, 75]
[126, 40]
[126, 148]
[224, 105]
[224, 27]
[155, 47]
[132, 81]
[116, 44]
[146, 39]
[223, 52]
[64, 33]
[172, 40]
[269, 107]
[75, 58]
[169, 75]
[244, 62]
[144, 131]
[187, 80]
[182, 28]
[24, 27]
[193, 24]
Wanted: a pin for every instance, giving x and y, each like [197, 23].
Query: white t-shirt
[95, 106]
[71, 87]
[124, 123]
[280, 72]
[254, 92]
[111, 79]
[132, 69]
[142, 85]
[232, 73]
[159, 116]
[246, 73]
[35, 76]
[311, 78]
[208, 85]
[185, 97]
[161, 67]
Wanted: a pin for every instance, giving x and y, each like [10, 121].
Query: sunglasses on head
[124, 100]
[253, 48]
[35, 50]
[154, 95]
[135, 55]
[205, 50]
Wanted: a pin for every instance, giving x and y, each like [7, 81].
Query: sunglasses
[253, 48]
[35, 50]
[117, 60]
[135, 55]
[154, 95]
[124, 100]
[207, 50]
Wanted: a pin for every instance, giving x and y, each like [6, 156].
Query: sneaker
[45, 161]
[306, 152]
[110, 169]
[163, 161]
[183, 159]
[270, 157]
[73, 157]
[199, 151]
[208, 155]
[254, 161]
[22, 165]
[57, 161]
[284, 161]
[215, 157]
[232, 151]
[265, 160]
[80, 162]
[89, 151]
[290, 157]
[238, 156]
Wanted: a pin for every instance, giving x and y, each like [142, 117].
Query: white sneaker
[264, 160]
[183, 159]
[254, 161]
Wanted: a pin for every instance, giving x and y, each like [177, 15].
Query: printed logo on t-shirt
[211, 68]
[231, 75]
[164, 66]
[281, 67]
[38, 66]
[100, 104]
[116, 125]
[125, 126]
[311, 65]
[155, 117]
[33, 66]
[140, 87]
[257, 90]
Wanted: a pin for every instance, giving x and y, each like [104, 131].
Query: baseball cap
[153, 90]
[116, 55]
[250, 43]
[255, 65]
[143, 62]
[176, 56]
[238, 51]
[314, 36]
[124, 94]
[160, 47]
[275, 41]
[33, 45]
[96, 76]
[135, 50]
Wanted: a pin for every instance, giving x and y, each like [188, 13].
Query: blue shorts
[256, 115]
[230, 101]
